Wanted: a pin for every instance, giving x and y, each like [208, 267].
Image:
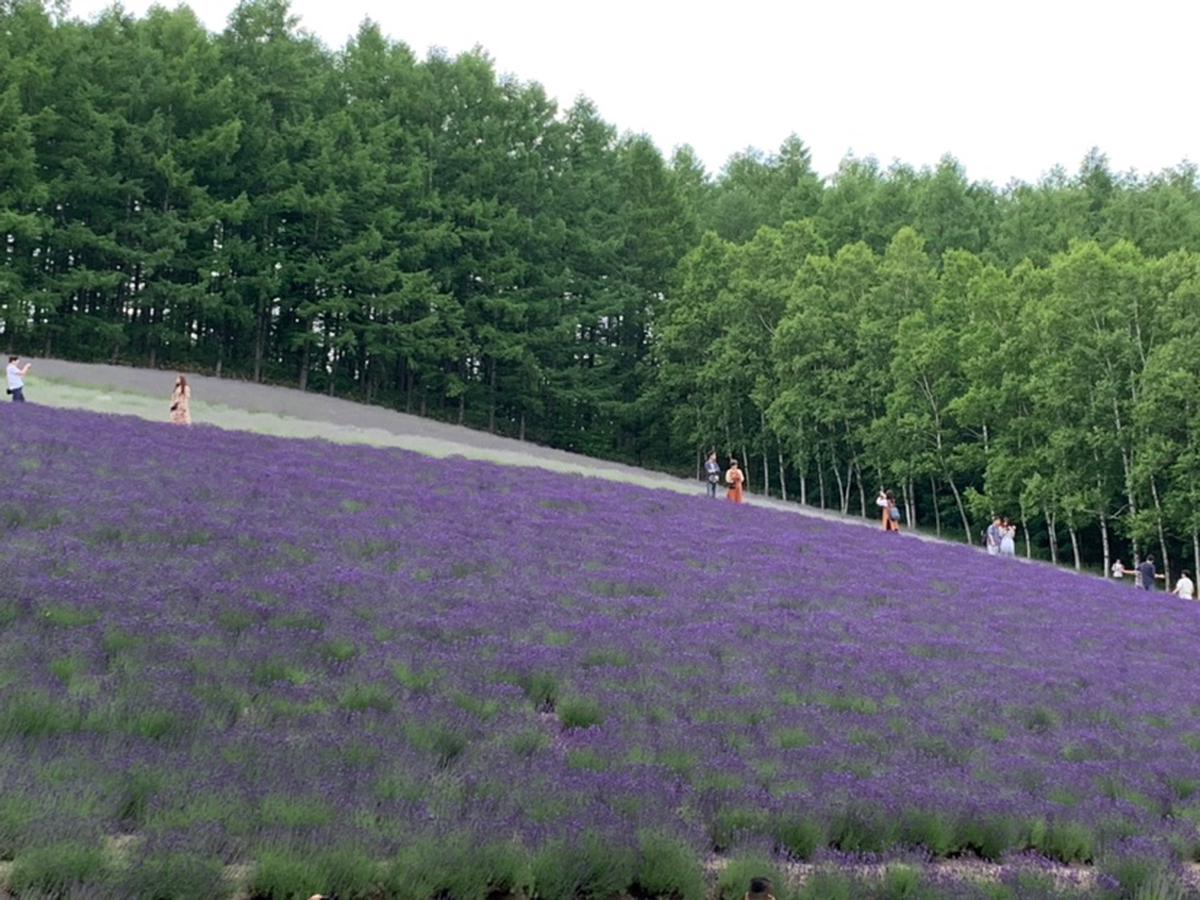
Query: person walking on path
[16, 378]
[1146, 573]
[712, 473]
[181, 402]
[1185, 588]
[1008, 538]
[992, 537]
[1119, 570]
[734, 478]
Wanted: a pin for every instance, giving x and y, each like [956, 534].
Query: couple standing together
[735, 478]
[1001, 538]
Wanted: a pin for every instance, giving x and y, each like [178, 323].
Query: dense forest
[431, 235]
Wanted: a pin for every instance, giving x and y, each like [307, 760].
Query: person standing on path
[992, 537]
[893, 513]
[1008, 538]
[712, 472]
[734, 478]
[16, 378]
[1185, 588]
[1146, 573]
[881, 500]
[181, 402]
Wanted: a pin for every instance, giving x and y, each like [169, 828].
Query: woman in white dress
[1008, 538]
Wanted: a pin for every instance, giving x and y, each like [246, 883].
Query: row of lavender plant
[235, 649]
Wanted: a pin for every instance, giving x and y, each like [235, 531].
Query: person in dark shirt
[1146, 574]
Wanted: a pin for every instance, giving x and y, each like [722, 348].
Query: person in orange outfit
[735, 478]
[886, 501]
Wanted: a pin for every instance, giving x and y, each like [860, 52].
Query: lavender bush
[365, 671]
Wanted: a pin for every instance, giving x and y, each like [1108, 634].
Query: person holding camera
[16, 378]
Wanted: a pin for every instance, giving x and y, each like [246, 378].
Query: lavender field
[239, 664]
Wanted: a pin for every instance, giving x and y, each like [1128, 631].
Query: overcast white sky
[1010, 88]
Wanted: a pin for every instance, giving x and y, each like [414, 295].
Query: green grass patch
[798, 836]
[1040, 719]
[235, 621]
[178, 876]
[484, 709]
[529, 742]
[667, 867]
[298, 621]
[37, 715]
[542, 688]
[63, 616]
[461, 868]
[580, 712]
[68, 668]
[278, 670]
[932, 830]
[16, 814]
[792, 738]
[367, 698]
[344, 873]
[339, 650]
[587, 759]
[295, 812]
[731, 824]
[590, 868]
[445, 742]
[153, 724]
[861, 829]
[606, 657]
[58, 869]
[415, 682]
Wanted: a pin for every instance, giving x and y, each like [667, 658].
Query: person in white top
[16, 378]
[1119, 570]
[1184, 588]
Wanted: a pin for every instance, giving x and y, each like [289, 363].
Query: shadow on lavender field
[368, 673]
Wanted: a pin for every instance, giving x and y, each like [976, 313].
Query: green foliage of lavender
[588, 695]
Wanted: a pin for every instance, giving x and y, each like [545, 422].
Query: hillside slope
[270, 409]
[231, 647]
[220, 400]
